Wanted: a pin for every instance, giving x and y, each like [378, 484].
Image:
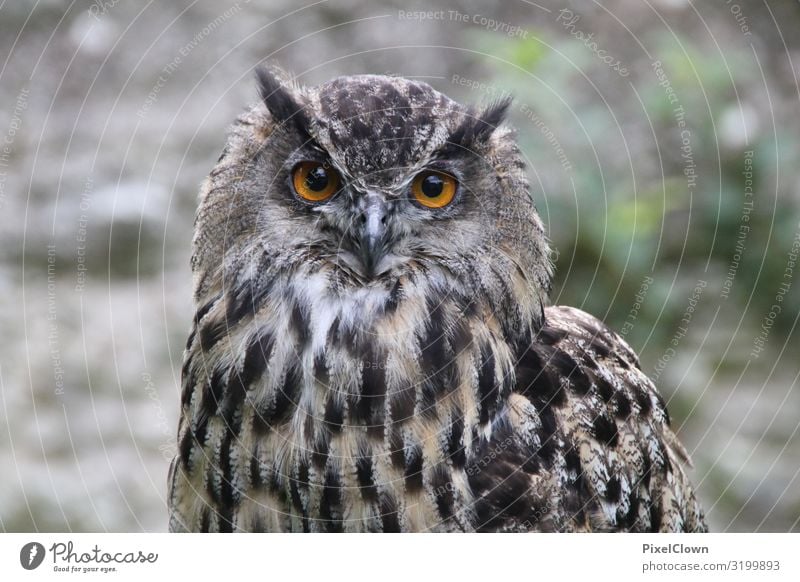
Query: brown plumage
[371, 350]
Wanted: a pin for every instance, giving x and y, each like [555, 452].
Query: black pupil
[317, 179]
[432, 186]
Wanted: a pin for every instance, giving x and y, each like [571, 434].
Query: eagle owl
[373, 349]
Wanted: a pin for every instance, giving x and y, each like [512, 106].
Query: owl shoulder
[598, 431]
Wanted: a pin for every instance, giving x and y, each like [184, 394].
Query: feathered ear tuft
[492, 116]
[282, 103]
[477, 127]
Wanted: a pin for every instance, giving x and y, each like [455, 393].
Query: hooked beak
[371, 232]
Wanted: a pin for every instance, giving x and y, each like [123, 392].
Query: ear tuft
[478, 126]
[492, 116]
[282, 104]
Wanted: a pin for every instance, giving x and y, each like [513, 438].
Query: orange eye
[315, 181]
[434, 189]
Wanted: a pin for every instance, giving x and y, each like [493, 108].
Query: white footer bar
[417, 558]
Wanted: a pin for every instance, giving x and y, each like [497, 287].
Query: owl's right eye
[315, 181]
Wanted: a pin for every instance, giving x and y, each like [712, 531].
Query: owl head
[371, 185]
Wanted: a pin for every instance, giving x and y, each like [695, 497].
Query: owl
[373, 348]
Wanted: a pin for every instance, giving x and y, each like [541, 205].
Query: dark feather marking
[600, 346]
[389, 517]
[333, 332]
[629, 521]
[369, 493]
[279, 410]
[200, 425]
[455, 445]
[256, 479]
[229, 495]
[508, 500]
[211, 332]
[320, 448]
[212, 392]
[655, 516]
[369, 408]
[394, 298]
[257, 355]
[605, 430]
[299, 481]
[401, 404]
[487, 386]
[187, 380]
[443, 491]
[537, 383]
[186, 445]
[396, 447]
[613, 489]
[663, 406]
[300, 324]
[547, 435]
[413, 471]
[578, 499]
[334, 413]
[438, 361]
[190, 341]
[647, 469]
[550, 336]
[205, 520]
[246, 299]
[622, 405]
[321, 371]
[643, 399]
[605, 389]
[330, 509]
[566, 367]
[204, 309]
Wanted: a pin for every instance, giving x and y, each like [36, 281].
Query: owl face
[375, 173]
[371, 179]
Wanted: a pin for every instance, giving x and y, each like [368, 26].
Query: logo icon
[31, 555]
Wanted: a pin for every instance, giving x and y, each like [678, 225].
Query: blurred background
[662, 138]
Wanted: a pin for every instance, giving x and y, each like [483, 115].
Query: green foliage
[625, 209]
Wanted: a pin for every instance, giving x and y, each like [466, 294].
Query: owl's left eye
[434, 189]
[315, 181]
